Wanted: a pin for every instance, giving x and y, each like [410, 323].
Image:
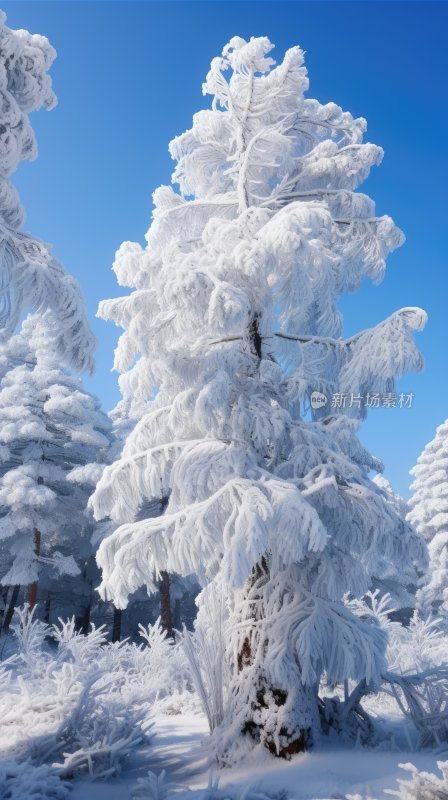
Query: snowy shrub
[423, 699]
[30, 634]
[6, 670]
[25, 781]
[424, 644]
[422, 785]
[206, 654]
[154, 787]
[417, 671]
[71, 706]
[158, 671]
[415, 647]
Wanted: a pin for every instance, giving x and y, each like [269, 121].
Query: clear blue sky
[128, 77]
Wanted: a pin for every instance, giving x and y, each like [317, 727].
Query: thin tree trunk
[4, 594]
[85, 620]
[177, 617]
[166, 615]
[32, 589]
[82, 621]
[116, 625]
[11, 608]
[47, 608]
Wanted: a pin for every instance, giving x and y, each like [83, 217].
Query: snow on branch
[31, 279]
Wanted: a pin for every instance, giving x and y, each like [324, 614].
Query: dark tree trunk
[166, 615]
[177, 616]
[254, 336]
[116, 625]
[274, 716]
[4, 595]
[84, 621]
[47, 608]
[32, 589]
[11, 608]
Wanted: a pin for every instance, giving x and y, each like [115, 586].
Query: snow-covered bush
[205, 651]
[76, 706]
[422, 785]
[429, 514]
[417, 667]
[231, 330]
[414, 647]
[423, 700]
[158, 670]
[30, 277]
[156, 787]
[26, 781]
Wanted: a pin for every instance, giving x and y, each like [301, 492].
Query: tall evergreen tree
[429, 514]
[48, 426]
[231, 330]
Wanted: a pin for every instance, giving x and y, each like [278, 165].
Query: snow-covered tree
[232, 327]
[400, 582]
[48, 426]
[429, 514]
[30, 277]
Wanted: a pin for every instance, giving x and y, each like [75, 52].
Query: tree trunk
[47, 608]
[4, 594]
[84, 621]
[116, 625]
[166, 616]
[32, 589]
[11, 608]
[282, 719]
[278, 717]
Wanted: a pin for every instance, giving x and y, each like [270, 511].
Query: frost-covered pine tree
[48, 426]
[30, 277]
[232, 325]
[400, 582]
[429, 514]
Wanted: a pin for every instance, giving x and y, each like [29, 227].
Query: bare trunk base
[47, 609]
[116, 625]
[11, 608]
[32, 589]
[83, 621]
[282, 721]
[166, 616]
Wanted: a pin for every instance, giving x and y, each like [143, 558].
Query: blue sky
[128, 77]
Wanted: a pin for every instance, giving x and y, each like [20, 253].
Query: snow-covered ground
[179, 748]
[79, 711]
